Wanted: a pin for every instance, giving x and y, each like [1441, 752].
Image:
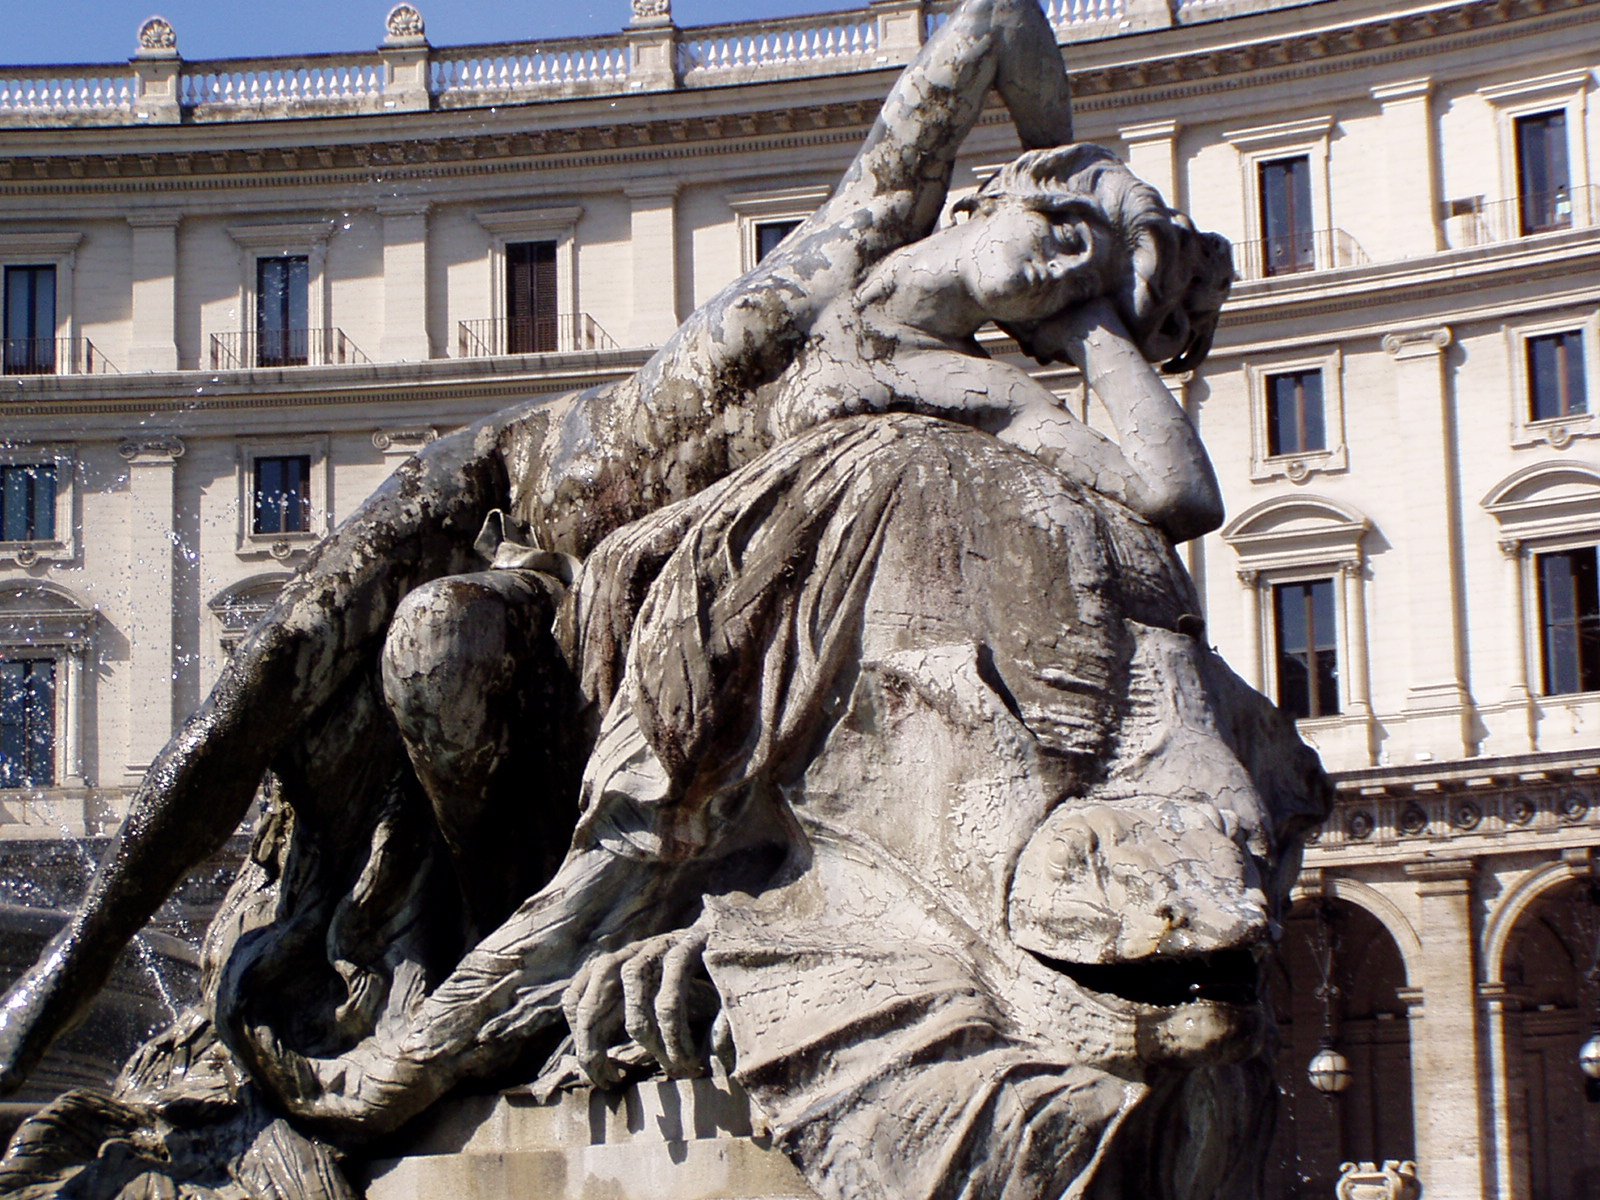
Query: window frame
[1527, 97]
[290, 239]
[63, 546]
[556, 223]
[1300, 465]
[1557, 432]
[57, 679]
[286, 545]
[1273, 636]
[762, 207]
[42, 620]
[1261, 144]
[48, 249]
[1534, 583]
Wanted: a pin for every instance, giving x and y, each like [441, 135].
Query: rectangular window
[27, 722]
[1555, 375]
[1569, 614]
[1307, 648]
[1544, 186]
[1288, 244]
[283, 494]
[770, 233]
[1295, 422]
[283, 295]
[531, 317]
[29, 346]
[27, 502]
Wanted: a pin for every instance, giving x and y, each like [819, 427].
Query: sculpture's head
[1112, 235]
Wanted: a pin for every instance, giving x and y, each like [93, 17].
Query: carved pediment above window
[1291, 531]
[42, 616]
[1547, 500]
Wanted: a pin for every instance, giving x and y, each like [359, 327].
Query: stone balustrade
[407, 73]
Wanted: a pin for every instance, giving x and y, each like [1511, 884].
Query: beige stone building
[234, 294]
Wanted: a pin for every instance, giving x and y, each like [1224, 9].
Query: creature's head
[1168, 280]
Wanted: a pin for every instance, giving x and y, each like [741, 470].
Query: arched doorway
[1371, 1120]
[1551, 949]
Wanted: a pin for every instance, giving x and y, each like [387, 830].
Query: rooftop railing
[561, 333]
[52, 356]
[157, 86]
[1295, 253]
[1475, 222]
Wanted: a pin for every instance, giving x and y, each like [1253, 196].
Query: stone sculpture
[824, 693]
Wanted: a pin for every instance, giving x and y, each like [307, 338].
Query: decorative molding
[152, 448]
[527, 222]
[1283, 133]
[404, 441]
[1417, 343]
[1538, 88]
[1405, 89]
[405, 25]
[157, 38]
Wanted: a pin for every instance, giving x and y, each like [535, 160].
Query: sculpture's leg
[326, 626]
[484, 703]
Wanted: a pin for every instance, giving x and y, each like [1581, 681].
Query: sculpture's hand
[652, 991]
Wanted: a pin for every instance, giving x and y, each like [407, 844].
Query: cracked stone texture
[823, 700]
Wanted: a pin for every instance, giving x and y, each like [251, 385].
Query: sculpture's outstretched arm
[328, 623]
[890, 196]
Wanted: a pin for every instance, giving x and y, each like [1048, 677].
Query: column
[405, 283]
[654, 237]
[1445, 1090]
[1153, 156]
[900, 25]
[1410, 220]
[151, 564]
[1352, 580]
[72, 716]
[1250, 666]
[1510, 1138]
[154, 266]
[1519, 690]
[1437, 722]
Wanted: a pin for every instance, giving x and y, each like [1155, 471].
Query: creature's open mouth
[1224, 976]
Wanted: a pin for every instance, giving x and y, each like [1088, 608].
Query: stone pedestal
[666, 1140]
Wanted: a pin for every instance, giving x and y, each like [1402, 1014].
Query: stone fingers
[591, 1005]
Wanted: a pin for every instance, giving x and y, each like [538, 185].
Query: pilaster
[1445, 1034]
[1438, 711]
[1153, 156]
[154, 303]
[405, 283]
[1411, 225]
[151, 568]
[652, 47]
[654, 239]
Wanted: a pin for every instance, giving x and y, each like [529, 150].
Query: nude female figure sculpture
[818, 527]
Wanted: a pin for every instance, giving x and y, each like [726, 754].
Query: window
[1569, 619]
[1295, 422]
[1307, 648]
[1544, 184]
[1286, 221]
[1555, 375]
[30, 320]
[27, 722]
[282, 494]
[27, 502]
[770, 233]
[531, 306]
[283, 296]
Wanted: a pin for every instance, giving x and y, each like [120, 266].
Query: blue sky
[77, 31]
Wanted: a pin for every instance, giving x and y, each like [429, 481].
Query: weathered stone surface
[824, 697]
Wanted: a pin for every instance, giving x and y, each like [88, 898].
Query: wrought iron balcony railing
[558, 334]
[1296, 252]
[244, 350]
[52, 356]
[1474, 222]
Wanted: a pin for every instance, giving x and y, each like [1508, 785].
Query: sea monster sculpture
[850, 674]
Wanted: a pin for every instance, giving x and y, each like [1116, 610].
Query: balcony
[245, 351]
[52, 356]
[1474, 222]
[1296, 253]
[560, 334]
